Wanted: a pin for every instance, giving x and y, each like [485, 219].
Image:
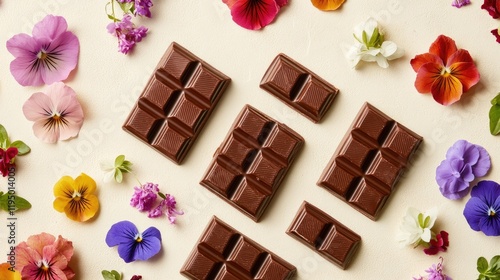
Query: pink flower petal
[64, 247]
[64, 55]
[37, 242]
[50, 27]
[25, 256]
[23, 45]
[24, 73]
[254, 14]
[48, 135]
[66, 103]
[55, 258]
[281, 3]
[38, 107]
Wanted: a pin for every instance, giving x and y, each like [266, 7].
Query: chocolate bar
[176, 103]
[324, 234]
[250, 164]
[369, 161]
[224, 253]
[299, 87]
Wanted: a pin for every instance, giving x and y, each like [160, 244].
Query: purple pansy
[126, 32]
[460, 3]
[482, 211]
[133, 245]
[144, 197]
[46, 57]
[464, 162]
[168, 207]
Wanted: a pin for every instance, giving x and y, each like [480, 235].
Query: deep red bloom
[6, 158]
[440, 244]
[254, 14]
[493, 7]
[495, 33]
[136, 277]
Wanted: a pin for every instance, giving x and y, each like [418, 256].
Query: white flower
[417, 227]
[370, 45]
[114, 171]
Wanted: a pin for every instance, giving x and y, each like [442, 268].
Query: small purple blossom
[460, 3]
[464, 162]
[128, 35]
[168, 207]
[482, 211]
[144, 197]
[435, 272]
[142, 7]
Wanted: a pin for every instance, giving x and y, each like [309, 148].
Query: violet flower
[167, 206]
[144, 197]
[482, 211]
[46, 57]
[460, 3]
[128, 35]
[142, 7]
[464, 162]
[133, 245]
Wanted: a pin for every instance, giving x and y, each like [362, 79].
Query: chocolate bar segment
[176, 103]
[224, 253]
[298, 87]
[369, 161]
[324, 234]
[250, 164]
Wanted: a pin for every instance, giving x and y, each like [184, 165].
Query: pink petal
[38, 107]
[50, 27]
[64, 247]
[43, 133]
[22, 70]
[254, 14]
[65, 101]
[281, 3]
[55, 258]
[64, 51]
[25, 256]
[23, 45]
[37, 242]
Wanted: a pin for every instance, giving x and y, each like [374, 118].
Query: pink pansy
[57, 113]
[254, 14]
[44, 257]
[46, 57]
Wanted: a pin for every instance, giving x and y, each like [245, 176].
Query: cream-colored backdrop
[108, 83]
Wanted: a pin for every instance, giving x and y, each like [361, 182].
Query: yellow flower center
[76, 196]
[491, 213]
[138, 237]
[445, 72]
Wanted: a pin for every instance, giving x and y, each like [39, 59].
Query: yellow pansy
[6, 274]
[76, 197]
[327, 5]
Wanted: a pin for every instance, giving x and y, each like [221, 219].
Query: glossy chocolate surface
[224, 253]
[369, 161]
[299, 87]
[176, 103]
[250, 164]
[324, 234]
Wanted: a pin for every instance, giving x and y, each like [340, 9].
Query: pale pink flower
[43, 256]
[46, 57]
[57, 113]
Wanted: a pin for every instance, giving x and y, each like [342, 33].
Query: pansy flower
[8, 273]
[254, 14]
[46, 57]
[133, 245]
[445, 71]
[57, 113]
[482, 211]
[43, 256]
[327, 5]
[76, 197]
[493, 8]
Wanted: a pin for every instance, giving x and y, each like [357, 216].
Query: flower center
[43, 265]
[138, 238]
[42, 55]
[491, 212]
[76, 196]
[456, 174]
[445, 71]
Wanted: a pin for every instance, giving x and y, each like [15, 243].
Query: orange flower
[327, 5]
[445, 71]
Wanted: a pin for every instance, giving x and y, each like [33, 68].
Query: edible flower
[114, 171]
[166, 207]
[127, 33]
[327, 5]
[46, 57]
[43, 256]
[482, 211]
[460, 3]
[445, 71]
[440, 244]
[435, 272]
[254, 14]
[416, 228]
[133, 245]
[492, 7]
[57, 113]
[496, 33]
[7, 159]
[76, 197]
[144, 197]
[371, 46]
[464, 162]
[9, 151]
[7, 272]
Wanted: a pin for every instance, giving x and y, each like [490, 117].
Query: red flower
[445, 71]
[254, 14]
[136, 277]
[6, 159]
[493, 7]
[495, 33]
[439, 244]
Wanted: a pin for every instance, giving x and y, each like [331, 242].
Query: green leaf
[482, 265]
[19, 203]
[365, 38]
[3, 135]
[495, 115]
[111, 275]
[127, 7]
[118, 175]
[495, 263]
[21, 147]
[162, 195]
[111, 17]
[119, 160]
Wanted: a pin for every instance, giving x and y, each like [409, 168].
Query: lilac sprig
[145, 198]
[124, 29]
[435, 272]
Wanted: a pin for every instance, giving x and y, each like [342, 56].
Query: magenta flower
[128, 35]
[464, 162]
[46, 57]
[142, 7]
[6, 159]
[57, 114]
[254, 14]
[460, 3]
[496, 33]
[493, 7]
[482, 211]
[144, 197]
[168, 207]
[440, 244]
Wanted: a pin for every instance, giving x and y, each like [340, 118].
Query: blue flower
[482, 211]
[133, 245]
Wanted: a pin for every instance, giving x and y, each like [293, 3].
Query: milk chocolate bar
[324, 234]
[369, 161]
[250, 164]
[299, 87]
[224, 253]
[176, 103]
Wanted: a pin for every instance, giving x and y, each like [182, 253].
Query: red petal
[443, 47]
[447, 89]
[422, 59]
[466, 72]
[254, 14]
[459, 56]
[426, 76]
[281, 3]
